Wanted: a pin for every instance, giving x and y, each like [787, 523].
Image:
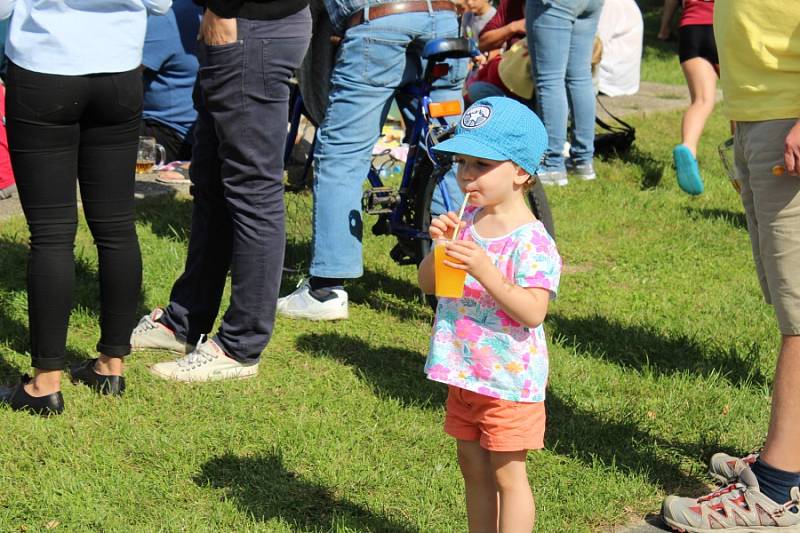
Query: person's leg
[516, 513]
[196, 295]
[43, 133]
[549, 28]
[701, 77]
[772, 209]
[108, 143]
[252, 135]
[370, 66]
[775, 212]
[579, 86]
[479, 486]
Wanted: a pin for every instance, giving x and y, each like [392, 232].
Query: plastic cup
[449, 281]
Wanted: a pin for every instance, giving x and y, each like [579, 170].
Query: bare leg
[44, 382]
[517, 509]
[781, 450]
[108, 366]
[480, 487]
[701, 77]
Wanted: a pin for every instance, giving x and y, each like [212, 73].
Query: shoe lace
[721, 492]
[197, 357]
[144, 325]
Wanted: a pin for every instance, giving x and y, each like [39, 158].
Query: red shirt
[697, 12]
[507, 12]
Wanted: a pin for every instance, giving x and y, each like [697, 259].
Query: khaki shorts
[772, 206]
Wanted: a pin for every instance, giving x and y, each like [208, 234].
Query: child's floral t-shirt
[476, 345]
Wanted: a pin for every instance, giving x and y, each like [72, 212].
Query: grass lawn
[660, 59]
[662, 353]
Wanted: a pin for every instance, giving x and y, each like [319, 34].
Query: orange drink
[449, 281]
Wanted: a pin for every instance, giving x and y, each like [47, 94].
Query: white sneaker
[206, 363]
[150, 334]
[300, 304]
[555, 177]
[584, 171]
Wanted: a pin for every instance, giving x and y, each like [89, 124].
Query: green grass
[662, 353]
[660, 59]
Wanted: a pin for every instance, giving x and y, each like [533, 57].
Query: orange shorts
[499, 425]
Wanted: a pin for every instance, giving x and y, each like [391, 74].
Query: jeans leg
[251, 120]
[579, 85]
[550, 28]
[43, 134]
[109, 138]
[370, 65]
[195, 298]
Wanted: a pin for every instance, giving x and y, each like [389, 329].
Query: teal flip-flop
[689, 179]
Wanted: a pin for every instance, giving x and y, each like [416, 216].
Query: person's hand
[791, 150]
[215, 30]
[664, 35]
[518, 26]
[442, 227]
[472, 258]
[479, 60]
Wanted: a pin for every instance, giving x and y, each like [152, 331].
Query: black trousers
[176, 147]
[241, 96]
[61, 128]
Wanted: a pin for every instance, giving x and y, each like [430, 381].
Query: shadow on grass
[652, 169]
[391, 372]
[168, 216]
[642, 348]
[581, 434]
[264, 488]
[397, 374]
[735, 219]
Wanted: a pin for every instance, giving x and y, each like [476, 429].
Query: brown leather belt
[393, 8]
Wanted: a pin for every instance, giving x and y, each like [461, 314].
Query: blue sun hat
[499, 129]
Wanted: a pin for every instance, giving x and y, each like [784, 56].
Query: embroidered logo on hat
[476, 116]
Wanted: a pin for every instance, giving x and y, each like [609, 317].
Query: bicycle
[405, 211]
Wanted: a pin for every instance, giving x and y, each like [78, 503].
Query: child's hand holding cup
[449, 281]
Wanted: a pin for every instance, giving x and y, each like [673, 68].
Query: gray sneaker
[150, 334]
[554, 177]
[584, 171]
[206, 363]
[726, 468]
[738, 507]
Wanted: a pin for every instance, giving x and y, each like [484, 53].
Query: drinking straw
[460, 214]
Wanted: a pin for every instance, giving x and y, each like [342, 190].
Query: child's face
[477, 6]
[489, 182]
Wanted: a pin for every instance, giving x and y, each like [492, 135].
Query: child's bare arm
[425, 274]
[528, 306]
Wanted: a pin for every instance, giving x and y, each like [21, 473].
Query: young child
[489, 346]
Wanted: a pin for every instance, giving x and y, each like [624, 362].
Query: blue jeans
[561, 35]
[373, 61]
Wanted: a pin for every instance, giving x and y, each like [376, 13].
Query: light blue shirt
[78, 37]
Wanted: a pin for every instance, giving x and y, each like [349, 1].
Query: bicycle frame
[420, 137]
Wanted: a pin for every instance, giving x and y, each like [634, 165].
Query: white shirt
[78, 37]
[621, 30]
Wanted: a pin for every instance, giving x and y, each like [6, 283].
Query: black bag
[612, 139]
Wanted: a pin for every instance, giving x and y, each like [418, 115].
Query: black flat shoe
[84, 373]
[19, 400]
